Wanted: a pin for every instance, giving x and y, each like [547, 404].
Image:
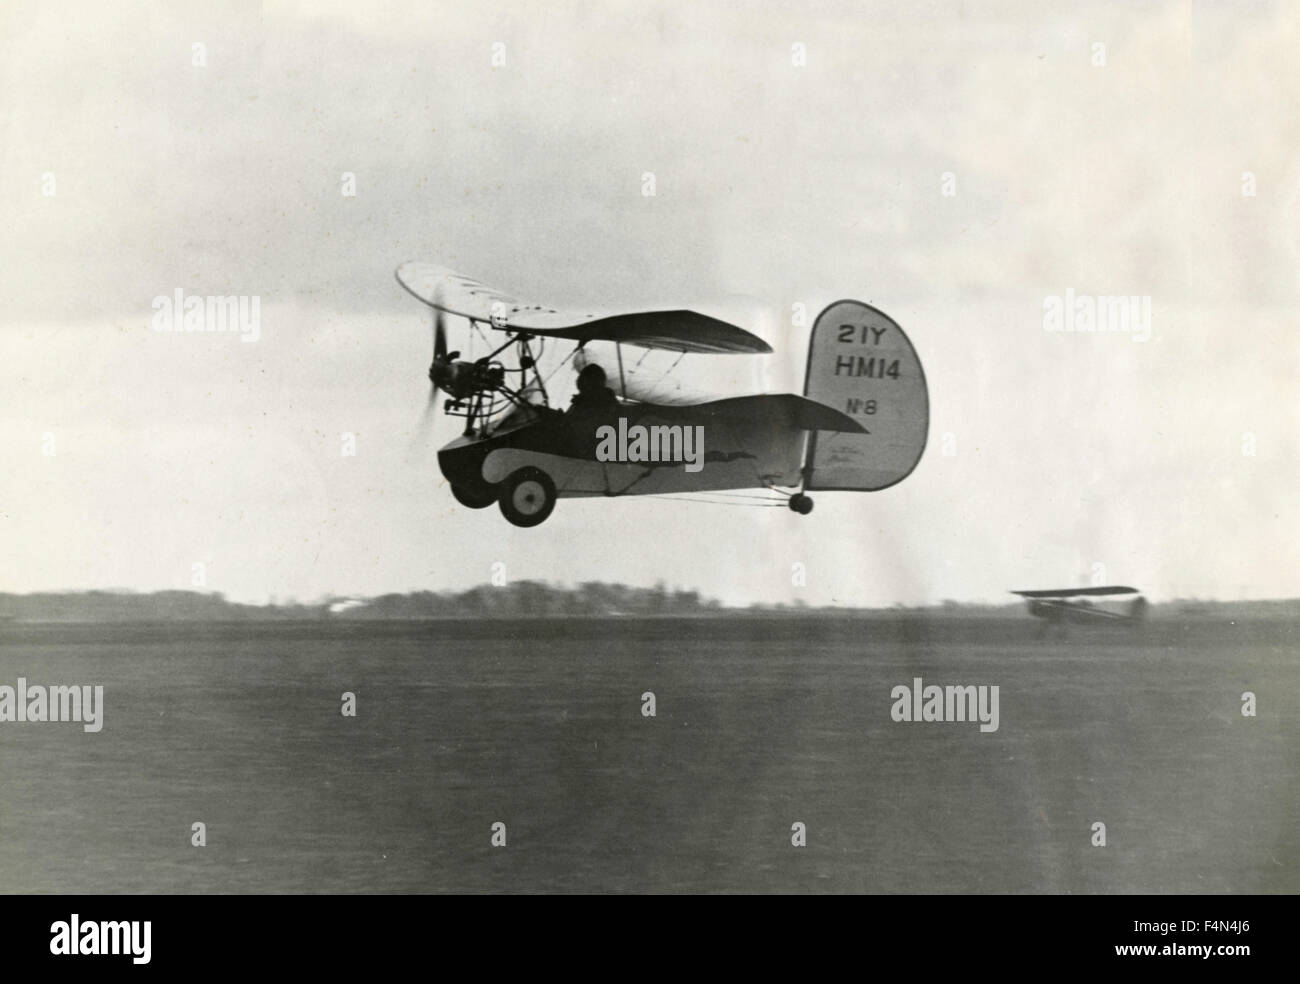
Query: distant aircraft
[860, 425]
[1061, 606]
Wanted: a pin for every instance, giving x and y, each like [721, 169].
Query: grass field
[760, 723]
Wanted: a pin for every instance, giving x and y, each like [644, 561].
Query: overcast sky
[130, 171]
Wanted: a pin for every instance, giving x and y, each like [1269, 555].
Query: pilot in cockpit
[592, 407]
[593, 398]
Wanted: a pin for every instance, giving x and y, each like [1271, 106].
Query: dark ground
[761, 722]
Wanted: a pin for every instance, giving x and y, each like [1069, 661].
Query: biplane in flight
[1059, 607]
[633, 428]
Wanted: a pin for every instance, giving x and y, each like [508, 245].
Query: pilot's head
[591, 379]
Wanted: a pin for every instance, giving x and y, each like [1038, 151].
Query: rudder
[862, 363]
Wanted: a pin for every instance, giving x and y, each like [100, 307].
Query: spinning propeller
[442, 371]
[448, 374]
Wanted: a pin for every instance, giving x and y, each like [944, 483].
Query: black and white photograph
[630, 447]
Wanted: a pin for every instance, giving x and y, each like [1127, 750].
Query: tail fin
[861, 363]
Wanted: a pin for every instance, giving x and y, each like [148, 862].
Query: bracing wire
[723, 499]
[562, 363]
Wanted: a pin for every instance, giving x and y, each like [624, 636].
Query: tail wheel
[527, 496]
[475, 496]
[801, 504]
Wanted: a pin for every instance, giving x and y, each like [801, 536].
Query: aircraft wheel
[475, 496]
[527, 496]
[801, 504]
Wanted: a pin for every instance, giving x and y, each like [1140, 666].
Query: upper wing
[456, 294]
[682, 331]
[679, 331]
[1076, 592]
